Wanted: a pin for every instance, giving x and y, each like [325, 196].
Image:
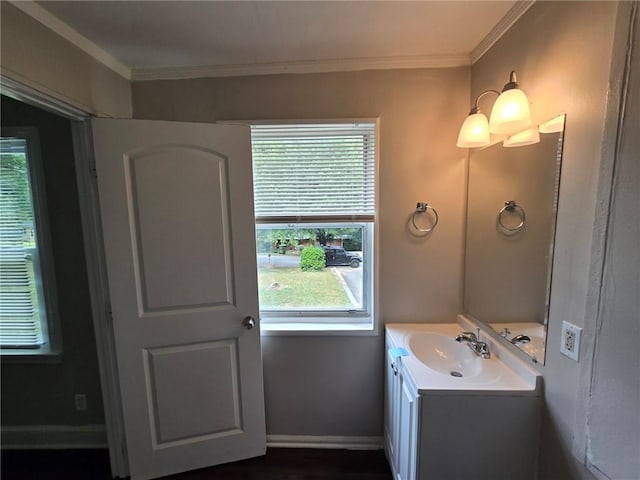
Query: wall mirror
[512, 202]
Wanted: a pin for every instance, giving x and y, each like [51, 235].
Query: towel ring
[512, 207]
[423, 207]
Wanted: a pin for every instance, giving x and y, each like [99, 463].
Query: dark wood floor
[277, 464]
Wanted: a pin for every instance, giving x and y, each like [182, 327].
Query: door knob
[249, 322]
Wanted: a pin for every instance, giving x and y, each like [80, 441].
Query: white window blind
[314, 172]
[20, 313]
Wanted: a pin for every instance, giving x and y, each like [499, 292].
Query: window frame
[44, 269]
[344, 322]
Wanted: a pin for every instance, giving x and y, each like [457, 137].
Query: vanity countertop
[502, 374]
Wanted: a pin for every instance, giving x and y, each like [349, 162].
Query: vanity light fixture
[510, 114]
[555, 125]
[475, 129]
[526, 137]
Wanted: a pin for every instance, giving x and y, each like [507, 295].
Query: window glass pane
[20, 312]
[317, 268]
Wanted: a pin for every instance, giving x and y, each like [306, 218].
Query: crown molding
[518, 9]
[53, 23]
[307, 66]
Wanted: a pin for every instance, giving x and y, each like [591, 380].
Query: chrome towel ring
[513, 208]
[423, 207]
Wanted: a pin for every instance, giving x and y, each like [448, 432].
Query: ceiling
[179, 38]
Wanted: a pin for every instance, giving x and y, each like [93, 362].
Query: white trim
[343, 322]
[308, 329]
[505, 23]
[32, 437]
[303, 66]
[615, 123]
[328, 442]
[40, 98]
[59, 27]
[99, 295]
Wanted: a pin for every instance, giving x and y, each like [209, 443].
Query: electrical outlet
[570, 340]
[80, 400]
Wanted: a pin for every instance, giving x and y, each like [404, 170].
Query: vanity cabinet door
[391, 391]
[400, 419]
[407, 429]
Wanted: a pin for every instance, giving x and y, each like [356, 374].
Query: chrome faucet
[518, 339]
[479, 348]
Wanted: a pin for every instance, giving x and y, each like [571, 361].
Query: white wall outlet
[80, 400]
[570, 340]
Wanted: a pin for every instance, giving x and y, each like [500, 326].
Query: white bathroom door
[177, 213]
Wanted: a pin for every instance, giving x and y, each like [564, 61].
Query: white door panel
[177, 209]
[170, 198]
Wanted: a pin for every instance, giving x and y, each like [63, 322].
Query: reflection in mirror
[511, 216]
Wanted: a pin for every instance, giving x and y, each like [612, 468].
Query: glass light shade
[526, 137]
[554, 125]
[510, 113]
[474, 132]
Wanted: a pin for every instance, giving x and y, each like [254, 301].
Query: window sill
[18, 356]
[273, 328]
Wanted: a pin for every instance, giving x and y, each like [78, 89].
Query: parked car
[336, 256]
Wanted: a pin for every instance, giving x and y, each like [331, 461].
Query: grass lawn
[291, 287]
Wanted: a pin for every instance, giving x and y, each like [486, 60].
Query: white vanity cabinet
[401, 424]
[435, 432]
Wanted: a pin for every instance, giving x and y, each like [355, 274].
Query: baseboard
[95, 436]
[32, 437]
[313, 441]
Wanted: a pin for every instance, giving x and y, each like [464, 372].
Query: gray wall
[562, 53]
[332, 385]
[35, 56]
[43, 394]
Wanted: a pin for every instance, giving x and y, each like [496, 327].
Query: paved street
[353, 277]
[277, 260]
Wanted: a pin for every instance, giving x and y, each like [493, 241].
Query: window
[315, 206]
[25, 293]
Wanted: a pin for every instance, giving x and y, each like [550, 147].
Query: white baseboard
[95, 436]
[313, 441]
[32, 437]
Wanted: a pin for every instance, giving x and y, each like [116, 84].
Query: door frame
[94, 256]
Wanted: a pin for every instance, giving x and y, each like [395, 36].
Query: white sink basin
[432, 354]
[444, 355]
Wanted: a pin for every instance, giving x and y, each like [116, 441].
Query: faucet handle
[483, 350]
[470, 336]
